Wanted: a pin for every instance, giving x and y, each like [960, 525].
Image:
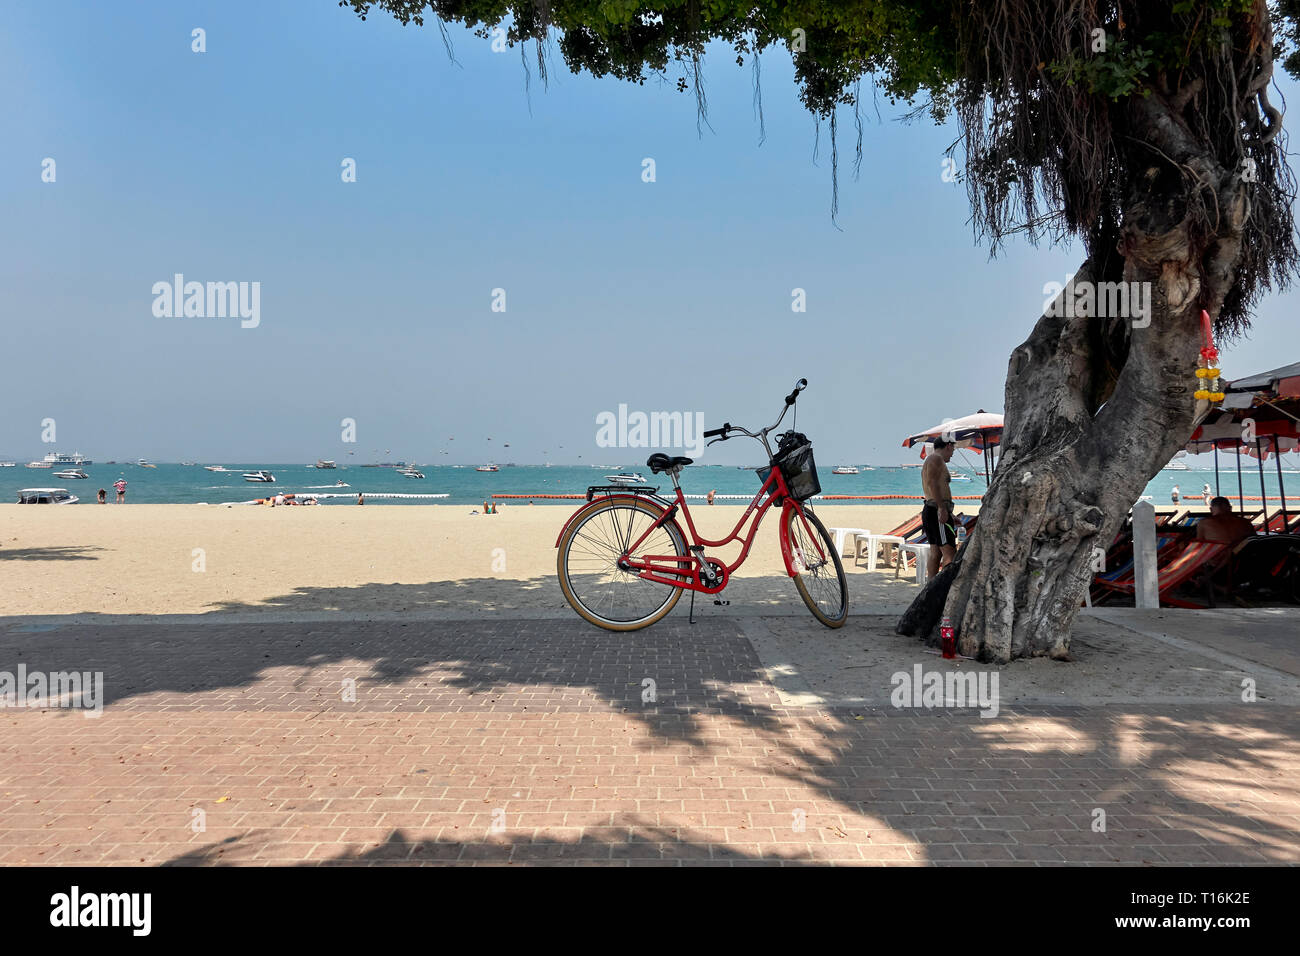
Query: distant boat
[46, 496]
[411, 473]
[487, 468]
[215, 468]
[144, 464]
[78, 459]
[7, 464]
[259, 476]
[39, 464]
[71, 473]
[325, 463]
[844, 470]
[958, 476]
[188, 464]
[626, 478]
[1176, 465]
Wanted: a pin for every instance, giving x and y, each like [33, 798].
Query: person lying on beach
[936, 515]
[1222, 525]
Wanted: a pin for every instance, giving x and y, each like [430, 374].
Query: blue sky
[376, 295]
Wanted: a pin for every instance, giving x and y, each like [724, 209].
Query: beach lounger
[1191, 565]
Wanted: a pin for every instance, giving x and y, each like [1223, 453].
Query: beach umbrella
[1259, 416]
[981, 431]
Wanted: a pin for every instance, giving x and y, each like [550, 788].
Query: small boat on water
[626, 478]
[844, 470]
[215, 468]
[487, 468]
[68, 473]
[7, 464]
[144, 464]
[958, 476]
[325, 463]
[39, 464]
[46, 496]
[58, 458]
[260, 475]
[411, 473]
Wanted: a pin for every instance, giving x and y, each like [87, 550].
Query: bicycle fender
[670, 511]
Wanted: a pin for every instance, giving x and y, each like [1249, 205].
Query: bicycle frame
[672, 573]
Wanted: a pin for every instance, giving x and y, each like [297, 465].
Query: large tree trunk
[1082, 438]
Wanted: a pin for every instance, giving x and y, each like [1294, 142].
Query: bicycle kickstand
[691, 616]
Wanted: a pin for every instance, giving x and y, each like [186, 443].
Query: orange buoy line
[539, 496]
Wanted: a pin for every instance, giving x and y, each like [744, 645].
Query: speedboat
[412, 473]
[39, 464]
[259, 476]
[215, 468]
[626, 478]
[46, 496]
[844, 470]
[325, 463]
[144, 464]
[487, 468]
[7, 464]
[71, 473]
[958, 476]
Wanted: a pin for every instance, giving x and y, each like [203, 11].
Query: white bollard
[1146, 576]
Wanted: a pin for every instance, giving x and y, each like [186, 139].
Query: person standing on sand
[120, 485]
[710, 495]
[936, 513]
[1207, 494]
[1175, 496]
[361, 499]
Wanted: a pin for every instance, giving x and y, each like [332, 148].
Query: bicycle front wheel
[590, 576]
[819, 573]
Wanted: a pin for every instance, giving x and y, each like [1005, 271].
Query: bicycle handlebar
[721, 434]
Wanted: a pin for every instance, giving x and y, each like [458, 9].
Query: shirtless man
[1222, 525]
[936, 515]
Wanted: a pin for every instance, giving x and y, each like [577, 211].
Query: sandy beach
[179, 559]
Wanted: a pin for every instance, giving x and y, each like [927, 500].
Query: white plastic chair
[839, 534]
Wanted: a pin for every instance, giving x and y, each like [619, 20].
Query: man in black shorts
[936, 514]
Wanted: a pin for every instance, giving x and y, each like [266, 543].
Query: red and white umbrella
[981, 431]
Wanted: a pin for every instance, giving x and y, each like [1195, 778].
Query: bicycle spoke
[593, 550]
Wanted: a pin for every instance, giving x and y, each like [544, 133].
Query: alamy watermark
[922, 688]
[1114, 300]
[82, 690]
[179, 299]
[626, 429]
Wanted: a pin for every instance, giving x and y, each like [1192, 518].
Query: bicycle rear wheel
[593, 583]
[819, 573]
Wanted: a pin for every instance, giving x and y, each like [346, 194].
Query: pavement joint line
[51, 621]
[790, 686]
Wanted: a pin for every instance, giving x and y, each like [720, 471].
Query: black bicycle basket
[794, 456]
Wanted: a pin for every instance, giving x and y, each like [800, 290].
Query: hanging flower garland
[1208, 387]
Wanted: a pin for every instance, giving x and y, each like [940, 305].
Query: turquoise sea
[175, 484]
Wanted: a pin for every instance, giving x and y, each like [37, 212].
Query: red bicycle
[624, 560]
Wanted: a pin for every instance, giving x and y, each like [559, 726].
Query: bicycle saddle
[660, 462]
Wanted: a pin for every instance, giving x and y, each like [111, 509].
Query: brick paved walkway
[529, 741]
